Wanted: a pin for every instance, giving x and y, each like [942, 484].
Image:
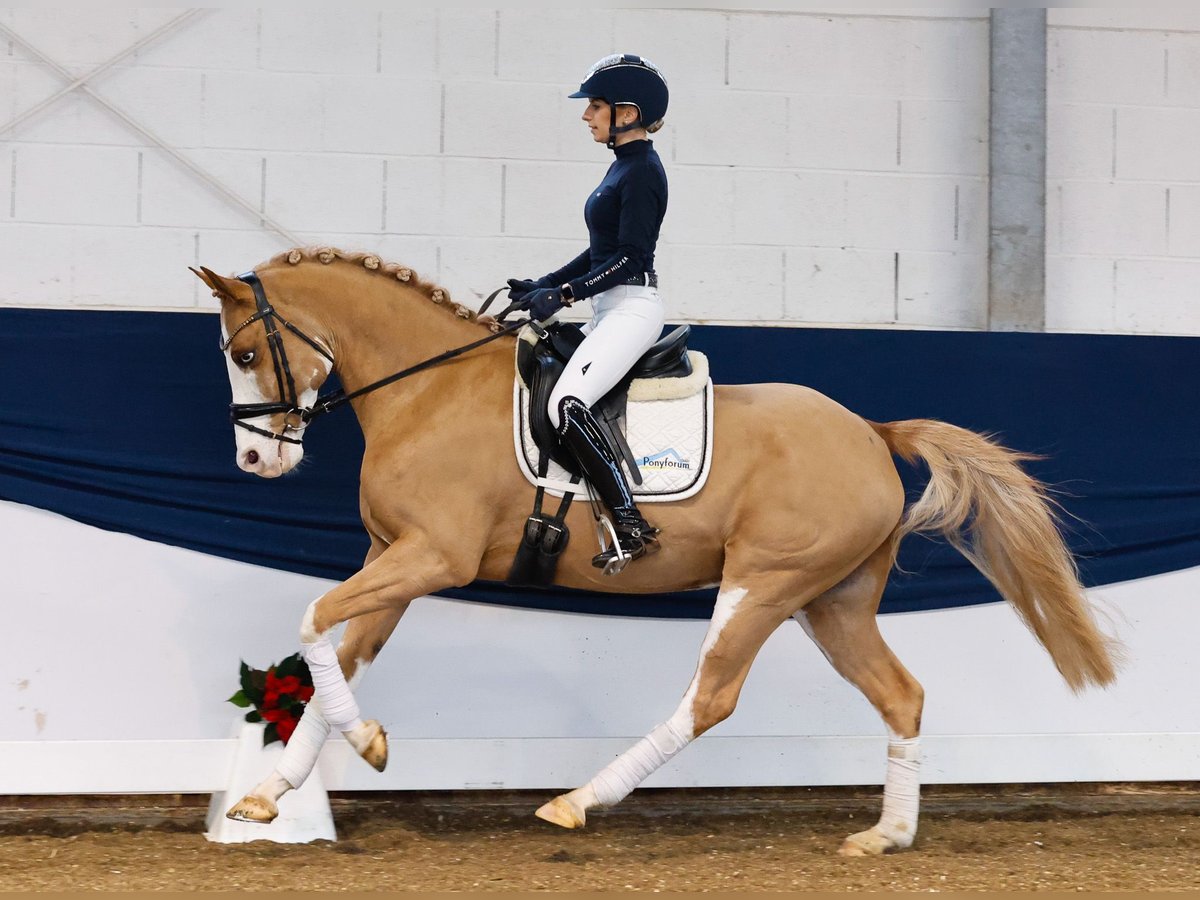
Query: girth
[540, 365]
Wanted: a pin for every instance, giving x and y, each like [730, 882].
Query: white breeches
[626, 321]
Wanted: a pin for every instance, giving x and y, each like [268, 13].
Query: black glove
[542, 303]
[520, 288]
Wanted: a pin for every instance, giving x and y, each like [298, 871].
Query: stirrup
[613, 557]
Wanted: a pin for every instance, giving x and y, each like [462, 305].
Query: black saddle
[540, 365]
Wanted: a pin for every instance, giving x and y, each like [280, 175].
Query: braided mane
[372, 263]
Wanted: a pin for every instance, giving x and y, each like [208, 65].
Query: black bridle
[296, 418]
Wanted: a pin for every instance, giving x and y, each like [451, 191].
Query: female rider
[627, 99]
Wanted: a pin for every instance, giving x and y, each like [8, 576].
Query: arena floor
[1062, 837]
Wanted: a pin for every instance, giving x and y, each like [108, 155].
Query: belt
[646, 279]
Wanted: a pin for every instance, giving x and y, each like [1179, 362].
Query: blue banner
[120, 420]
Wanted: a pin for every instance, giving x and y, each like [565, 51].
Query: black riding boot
[581, 434]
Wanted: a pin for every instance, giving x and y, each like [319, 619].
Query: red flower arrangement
[278, 696]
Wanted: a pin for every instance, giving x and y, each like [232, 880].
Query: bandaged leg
[301, 752]
[300, 755]
[897, 826]
[901, 792]
[614, 782]
[338, 706]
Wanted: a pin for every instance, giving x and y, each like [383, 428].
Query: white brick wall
[714, 127]
[1123, 170]
[1174, 286]
[1183, 217]
[546, 201]
[445, 196]
[171, 196]
[825, 166]
[942, 289]
[76, 184]
[325, 192]
[836, 285]
[466, 44]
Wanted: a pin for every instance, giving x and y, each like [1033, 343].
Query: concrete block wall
[1123, 170]
[826, 166]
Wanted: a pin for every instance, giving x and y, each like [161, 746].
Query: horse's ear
[227, 288]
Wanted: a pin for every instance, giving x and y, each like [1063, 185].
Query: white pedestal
[304, 814]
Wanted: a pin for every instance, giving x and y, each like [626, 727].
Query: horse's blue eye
[246, 358]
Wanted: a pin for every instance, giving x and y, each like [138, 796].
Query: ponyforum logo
[666, 459]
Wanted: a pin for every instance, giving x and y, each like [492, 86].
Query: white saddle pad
[669, 428]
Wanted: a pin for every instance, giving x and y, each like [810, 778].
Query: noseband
[296, 418]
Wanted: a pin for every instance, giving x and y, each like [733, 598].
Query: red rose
[285, 727]
[274, 715]
[304, 694]
[288, 685]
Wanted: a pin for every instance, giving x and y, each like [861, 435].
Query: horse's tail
[1003, 520]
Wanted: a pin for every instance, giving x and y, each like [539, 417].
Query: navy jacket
[623, 215]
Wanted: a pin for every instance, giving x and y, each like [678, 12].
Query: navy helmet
[630, 79]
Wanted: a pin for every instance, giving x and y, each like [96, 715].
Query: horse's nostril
[251, 456]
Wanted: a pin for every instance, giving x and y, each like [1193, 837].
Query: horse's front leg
[407, 569]
[373, 600]
[363, 640]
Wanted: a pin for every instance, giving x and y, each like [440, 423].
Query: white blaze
[274, 457]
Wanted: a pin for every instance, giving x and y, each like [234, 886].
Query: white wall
[1123, 170]
[122, 662]
[824, 167]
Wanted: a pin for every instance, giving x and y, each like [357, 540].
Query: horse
[800, 519]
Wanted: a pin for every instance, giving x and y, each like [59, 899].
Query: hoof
[253, 809]
[561, 811]
[375, 749]
[870, 843]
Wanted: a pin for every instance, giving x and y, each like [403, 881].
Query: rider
[627, 99]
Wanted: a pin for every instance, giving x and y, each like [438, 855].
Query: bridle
[289, 402]
[296, 417]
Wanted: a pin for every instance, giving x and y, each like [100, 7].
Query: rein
[296, 418]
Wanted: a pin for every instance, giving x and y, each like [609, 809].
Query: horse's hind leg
[743, 619]
[842, 623]
[361, 643]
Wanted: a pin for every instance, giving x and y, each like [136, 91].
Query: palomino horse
[800, 518]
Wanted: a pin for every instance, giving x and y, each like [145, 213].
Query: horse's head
[275, 368]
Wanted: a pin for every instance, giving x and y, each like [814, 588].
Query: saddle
[540, 363]
[542, 355]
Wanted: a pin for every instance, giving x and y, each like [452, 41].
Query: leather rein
[296, 418]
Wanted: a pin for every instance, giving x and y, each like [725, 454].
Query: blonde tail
[1003, 521]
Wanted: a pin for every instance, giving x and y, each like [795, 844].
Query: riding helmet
[631, 79]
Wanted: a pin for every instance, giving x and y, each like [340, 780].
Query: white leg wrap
[902, 791]
[301, 752]
[338, 705]
[274, 787]
[613, 783]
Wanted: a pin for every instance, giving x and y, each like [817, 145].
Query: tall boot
[583, 437]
